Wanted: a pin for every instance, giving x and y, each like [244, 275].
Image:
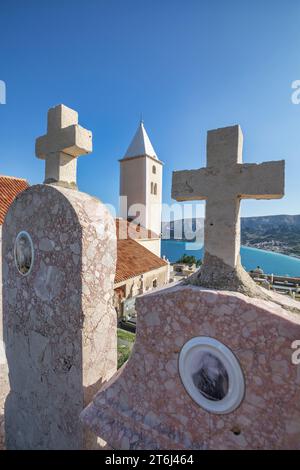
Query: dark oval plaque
[24, 253]
[211, 374]
[211, 378]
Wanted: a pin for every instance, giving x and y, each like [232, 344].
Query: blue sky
[187, 65]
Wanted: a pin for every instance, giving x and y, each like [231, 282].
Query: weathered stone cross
[64, 142]
[223, 183]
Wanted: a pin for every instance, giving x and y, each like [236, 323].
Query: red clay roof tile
[134, 260]
[9, 188]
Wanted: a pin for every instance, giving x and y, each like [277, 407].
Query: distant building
[258, 270]
[141, 183]
[138, 269]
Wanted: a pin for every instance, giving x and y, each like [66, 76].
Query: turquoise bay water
[271, 263]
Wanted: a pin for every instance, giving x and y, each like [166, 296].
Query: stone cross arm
[261, 181]
[253, 181]
[73, 140]
[190, 185]
[64, 134]
[64, 142]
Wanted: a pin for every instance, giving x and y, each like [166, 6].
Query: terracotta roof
[131, 230]
[9, 188]
[134, 259]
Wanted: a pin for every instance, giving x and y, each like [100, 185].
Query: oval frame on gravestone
[211, 374]
[24, 253]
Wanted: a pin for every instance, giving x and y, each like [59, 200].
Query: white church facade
[141, 188]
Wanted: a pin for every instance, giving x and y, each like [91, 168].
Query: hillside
[279, 233]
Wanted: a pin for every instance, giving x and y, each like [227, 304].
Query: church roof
[10, 187]
[140, 144]
[134, 259]
[126, 229]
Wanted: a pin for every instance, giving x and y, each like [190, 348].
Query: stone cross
[64, 142]
[223, 183]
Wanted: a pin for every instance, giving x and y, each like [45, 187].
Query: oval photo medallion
[24, 253]
[211, 374]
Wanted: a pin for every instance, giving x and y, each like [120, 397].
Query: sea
[271, 263]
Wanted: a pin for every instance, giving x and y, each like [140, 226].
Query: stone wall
[133, 285]
[152, 245]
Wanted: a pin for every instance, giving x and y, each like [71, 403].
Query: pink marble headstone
[59, 321]
[146, 406]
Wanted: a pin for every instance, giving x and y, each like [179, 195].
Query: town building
[141, 187]
[138, 268]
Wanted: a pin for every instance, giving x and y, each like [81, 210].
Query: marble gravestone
[59, 257]
[211, 368]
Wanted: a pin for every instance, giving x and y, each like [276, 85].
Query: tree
[189, 259]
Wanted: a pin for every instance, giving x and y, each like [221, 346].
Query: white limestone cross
[223, 183]
[64, 142]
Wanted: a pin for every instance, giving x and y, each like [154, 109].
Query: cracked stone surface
[59, 321]
[215, 274]
[145, 405]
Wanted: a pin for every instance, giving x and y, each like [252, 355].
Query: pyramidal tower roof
[140, 144]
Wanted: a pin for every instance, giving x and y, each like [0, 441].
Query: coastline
[266, 249]
[272, 262]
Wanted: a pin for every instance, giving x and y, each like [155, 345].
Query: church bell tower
[141, 183]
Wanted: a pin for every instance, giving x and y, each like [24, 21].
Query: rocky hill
[279, 233]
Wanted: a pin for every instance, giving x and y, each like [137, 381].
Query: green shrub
[189, 259]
